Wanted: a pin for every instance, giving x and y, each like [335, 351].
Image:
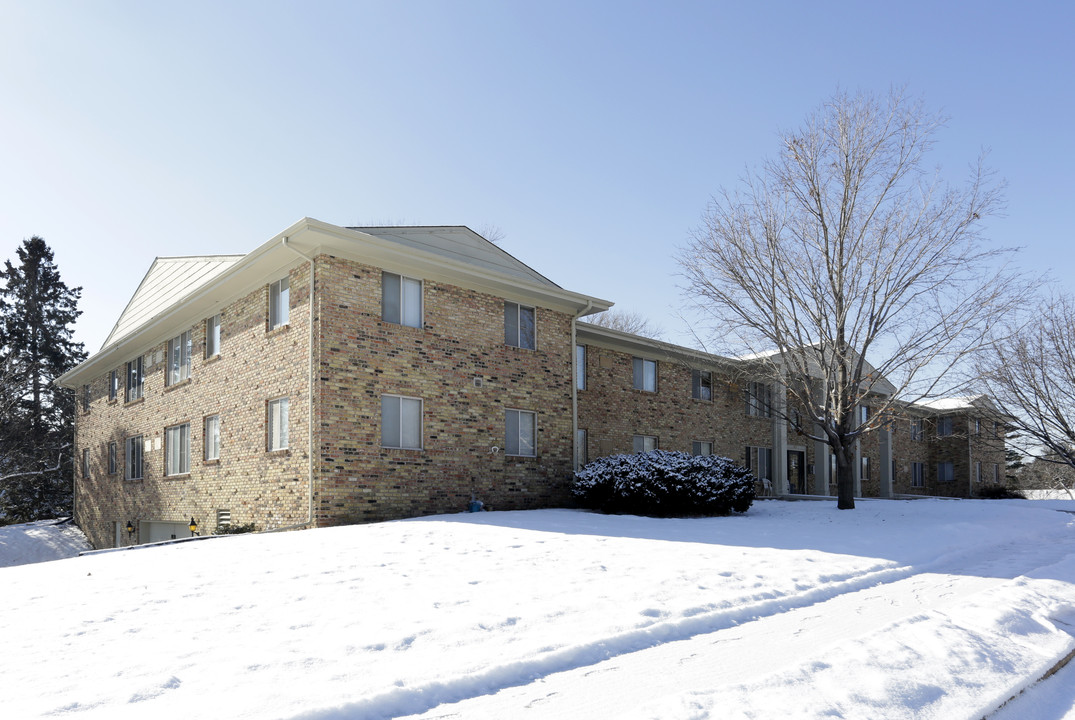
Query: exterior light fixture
[130, 530]
[193, 527]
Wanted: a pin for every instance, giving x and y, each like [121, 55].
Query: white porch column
[821, 465]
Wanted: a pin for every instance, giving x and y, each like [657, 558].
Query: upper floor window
[113, 384]
[401, 300]
[113, 461]
[520, 433]
[177, 450]
[644, 374]
[401, 422]
[976, 426]
[85, 462]
[580, 367]
[944, 426]
[212, 437]
[759, 399]
[701, 385]
[279, 303]
[179, 358]
[519, 327]
[134, 380]
[916, 429]
[277, 424]
[863, 414]
[212, 336]
[133, 458]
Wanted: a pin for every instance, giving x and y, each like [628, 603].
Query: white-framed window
[401, 422]
[134, 379]
[519, 326]
[113, 384]
[644, 443]
[977, 472]
[179, 358]
[918, 474]
[944, 426]
[133, 450]
[580, 367]
[212, 437]
[759, 399]
[863, 414]
[276, 421]
[212, 336]
[644, 374]
[759, 461]
[113, 461]
[976, 426]
[945, 472]
[582, 444]
[279, 302]
[916, 430]
[701, 385]
[864, 468]
[85, 462]
[520, 433]
[401, 300]
[701, 447]
[177, 450]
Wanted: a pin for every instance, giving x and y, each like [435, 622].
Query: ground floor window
[945, 472]
[701, 447]
[918, 474]
[759, 461]
[401, 422]
[520, 433]
[277, 424]
[644, 443]
[112, 460]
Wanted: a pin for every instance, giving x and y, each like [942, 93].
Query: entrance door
[796, 471]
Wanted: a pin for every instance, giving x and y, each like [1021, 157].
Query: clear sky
[591, 133]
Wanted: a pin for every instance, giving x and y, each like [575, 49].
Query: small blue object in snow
[475, 506]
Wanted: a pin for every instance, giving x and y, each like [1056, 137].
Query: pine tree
[37, 314]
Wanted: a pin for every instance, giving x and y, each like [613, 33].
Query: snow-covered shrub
[664, 484]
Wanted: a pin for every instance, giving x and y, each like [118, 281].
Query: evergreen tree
[37, 314]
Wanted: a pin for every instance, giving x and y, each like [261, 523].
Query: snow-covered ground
[917, 609]
[40, 541]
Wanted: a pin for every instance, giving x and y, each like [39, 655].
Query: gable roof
[167, 282]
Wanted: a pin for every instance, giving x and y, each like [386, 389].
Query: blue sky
[592, 134]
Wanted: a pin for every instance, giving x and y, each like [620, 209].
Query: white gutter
[309, 400]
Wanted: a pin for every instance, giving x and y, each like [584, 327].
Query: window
[133, 458]
[85, 462]
[864, 468]
[944, 426]
[644, 443]
[401, 300]
[976, 425]
[580, 367]
[863, 414]
[759, 399]
[212, 437]
[977, 472]
[179, 358]
[277, 423]
[701, 447]
[645, 374]
[701, 385]
[113, 385]
[998, 430]
[212, 336]
[760, 462]
[134, 380]
[582, 444]
[918, 474]
[519, 326]
[279, 303]
[177, 450]
[520, 433]
[85, 398]
[916, 429]
[401, 422]
[996, 473]
[944, 472]
[112, 460]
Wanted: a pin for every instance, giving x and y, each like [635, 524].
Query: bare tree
[841, 248]
[492, 233]
[1031, 375]
[627, 321]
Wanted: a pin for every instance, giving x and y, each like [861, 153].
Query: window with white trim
[212, 336]
[85, 462]
[701, 385]
[519, 326]
[212, 437]
[401, 422]
[113, 464]
[177, 450]
[759, 398]
[944, 426]
[179, 358]
[134, 380]
[701, 447]
[132, 460]
[276, 420]
[918, 474]
[945, 472]
[759, 461]
[916, 430]
[113, 384]
[279, 302]
[644, 374]
[580, 367]
[864, 468]
[520, 433]
[644, 443]
[401, 300]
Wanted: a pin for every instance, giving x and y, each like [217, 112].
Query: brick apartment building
[427, 368]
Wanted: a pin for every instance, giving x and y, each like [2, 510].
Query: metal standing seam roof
[168, 281]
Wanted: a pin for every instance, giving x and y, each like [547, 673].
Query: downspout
[310, 400]
[575, 387]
